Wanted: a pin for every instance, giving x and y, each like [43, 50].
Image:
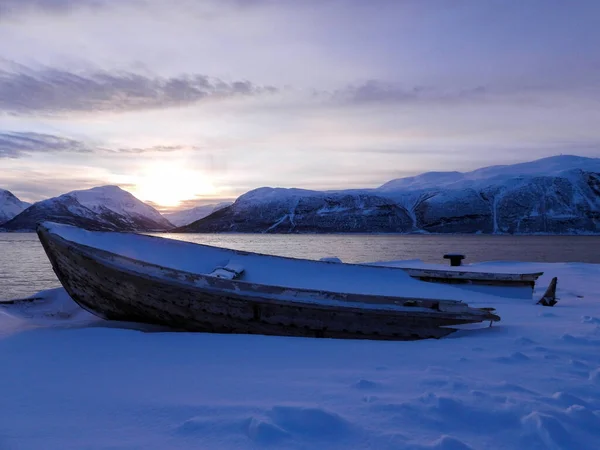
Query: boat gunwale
[472, 275]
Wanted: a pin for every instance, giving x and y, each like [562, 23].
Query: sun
[168, 184]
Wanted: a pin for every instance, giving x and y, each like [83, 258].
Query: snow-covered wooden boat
[139, 278]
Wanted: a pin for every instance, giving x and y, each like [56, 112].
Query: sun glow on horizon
[168, 184]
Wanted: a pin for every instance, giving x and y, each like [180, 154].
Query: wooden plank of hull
[479, 278]
[115, 292]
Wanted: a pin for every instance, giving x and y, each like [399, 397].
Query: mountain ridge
[10, 205]
[559, 194]
[520, 198]
[107, 208]
[187, 216]
[550, 166]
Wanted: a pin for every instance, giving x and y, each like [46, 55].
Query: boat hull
[118, 288]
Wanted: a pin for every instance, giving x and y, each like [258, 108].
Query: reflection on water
[25, 270]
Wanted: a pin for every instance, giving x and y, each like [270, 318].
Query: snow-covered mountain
[552, 195]
[566, 203]
[277, 210]
[547, 167]
[187, 216]
[99, 208]
[10, 206]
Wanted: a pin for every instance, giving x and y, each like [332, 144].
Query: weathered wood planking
[549, 297]
[482, 278]
[119, 288]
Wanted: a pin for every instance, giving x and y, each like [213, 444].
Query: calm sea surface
[25, 270]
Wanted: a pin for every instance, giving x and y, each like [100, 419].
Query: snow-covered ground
[71, 381]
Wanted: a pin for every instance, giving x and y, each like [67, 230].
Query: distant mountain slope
[559, 195]
[551, 166]
[187, 216]
[10, 206]
[564, 204]
[276, 210]
[99, 208]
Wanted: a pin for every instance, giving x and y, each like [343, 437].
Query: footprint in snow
[437, 370]
[435, 382]
[547, 431]
[264, 432]
[584, 416]
[566, 399]
[512, 388]
[310, 422]
[365, 385]
[516, 357]
[578, 364]
[485, 396]
[456, 413]
[524, 341]
[590, 320]
[579, 340]
[446, 443]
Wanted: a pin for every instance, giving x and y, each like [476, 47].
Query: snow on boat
[139, 278]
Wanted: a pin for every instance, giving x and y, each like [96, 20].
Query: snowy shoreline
[532, 381]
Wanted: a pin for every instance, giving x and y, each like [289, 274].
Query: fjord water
[25, 269]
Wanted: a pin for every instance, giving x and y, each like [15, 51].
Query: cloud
[51, 91]
[20, 144]
[8, 7]
[12, 7]
[154, 148]
[377, 91]
[34, 185]
[17, 144]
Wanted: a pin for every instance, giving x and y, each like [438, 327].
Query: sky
[191, 102]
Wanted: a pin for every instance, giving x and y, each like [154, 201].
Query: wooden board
[467, 277]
